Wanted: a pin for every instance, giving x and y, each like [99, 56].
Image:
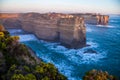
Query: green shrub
[30, 77]
[39, 69]
[13, 67]
[45, 78]
[98, 75]
[18, 77]
[26, 68]
[6, 33]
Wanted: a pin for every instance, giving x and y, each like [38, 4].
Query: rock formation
[68, 29]
[95, 19]
[72, 32]
[102, 19]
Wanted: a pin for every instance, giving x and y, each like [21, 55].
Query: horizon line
[57, 12]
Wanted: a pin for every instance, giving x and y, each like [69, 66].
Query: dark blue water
[73, 63]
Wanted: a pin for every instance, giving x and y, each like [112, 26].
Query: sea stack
[102, 19]
[93, 18]
[72, 32]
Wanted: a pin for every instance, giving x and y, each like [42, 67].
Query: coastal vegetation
[17, 62]
[98, 75]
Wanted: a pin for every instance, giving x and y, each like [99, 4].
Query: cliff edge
[68, 29]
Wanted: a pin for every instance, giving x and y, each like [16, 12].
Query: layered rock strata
[68, 29]
[95, 19]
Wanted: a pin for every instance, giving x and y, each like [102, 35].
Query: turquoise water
[73, 63]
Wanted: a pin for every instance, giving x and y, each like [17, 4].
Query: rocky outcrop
[72, 32]
[95, 19]
[12, 23]
[68, 30]
[10, 20]
[102, 19]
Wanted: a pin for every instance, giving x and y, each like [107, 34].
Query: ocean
[73, 63]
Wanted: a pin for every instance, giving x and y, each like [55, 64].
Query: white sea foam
[89, 30]
[14, 31]
[113, 21]
[59, 48]
[89, 58]
[107, 26]
[27, 37]
[78, 55]
[92, 44]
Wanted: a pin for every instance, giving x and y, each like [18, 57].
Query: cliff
[102, 19]
[10, 20]
[95, 19]
[68, 29]
[8, 15]
[72, 32]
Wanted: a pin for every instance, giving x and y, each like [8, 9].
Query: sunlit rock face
[10, 20]
[68, 29]
[95, 19]
[64, 28]
[102, 19]
[72, 32]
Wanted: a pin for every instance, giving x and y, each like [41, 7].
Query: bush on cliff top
[98, 75]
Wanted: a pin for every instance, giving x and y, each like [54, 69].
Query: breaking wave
[27, 37]
[106, 26]
[14, 31]
[88, 29]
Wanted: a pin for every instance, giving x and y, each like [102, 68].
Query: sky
[65, 6]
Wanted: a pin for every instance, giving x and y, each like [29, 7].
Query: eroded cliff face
[10, 20]
[102, 19]
[42, 26]
[72, 32]
[95, 19]
[68, 30]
